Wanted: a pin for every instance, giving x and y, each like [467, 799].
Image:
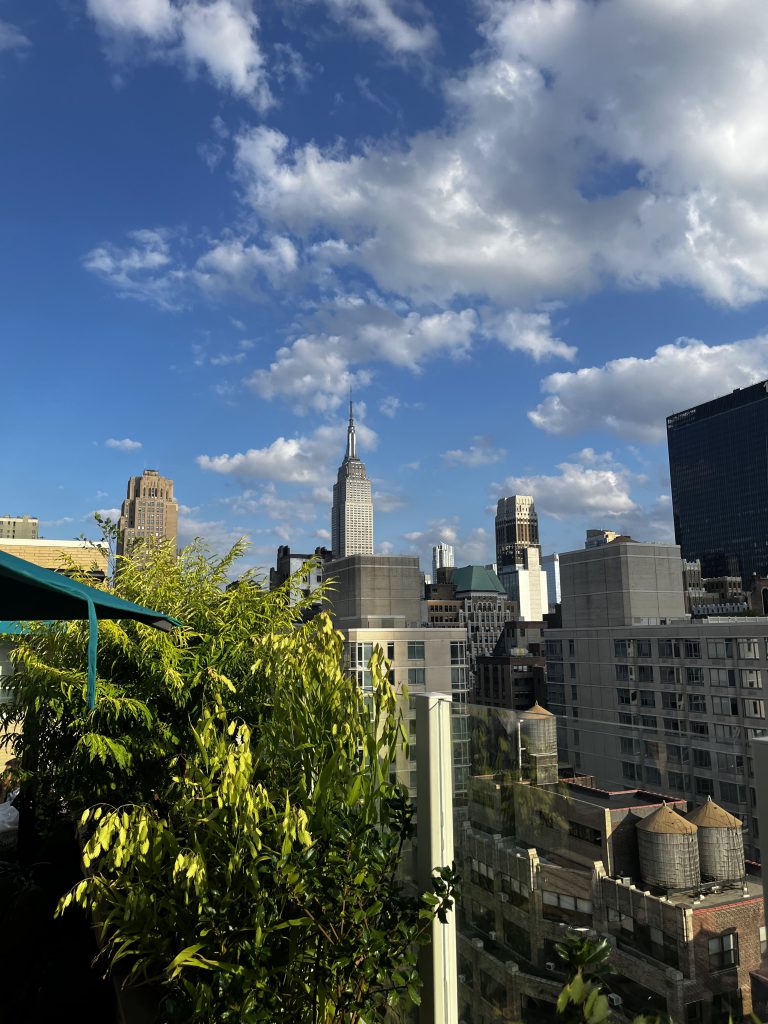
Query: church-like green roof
[476, 578]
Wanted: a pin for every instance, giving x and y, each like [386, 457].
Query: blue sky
[521, 231]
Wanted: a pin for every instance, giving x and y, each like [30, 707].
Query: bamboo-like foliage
[241, 836]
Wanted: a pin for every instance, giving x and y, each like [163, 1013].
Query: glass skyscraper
[718, 464]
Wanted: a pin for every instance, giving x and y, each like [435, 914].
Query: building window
[751, 678]
[669, 648]
[677, 754]
[630, 771]
[722, 677]
[732, 794]
[647, 699]
[416, 677]
[415, 650]
[726, 705]
[704, 787]
[754, 708]
[699, 728]
[674, 725]
[677, 781]
[625, 718]
[701, 758]
[643, 648]
[697, 702]
[629, 745]
[390, 651]
[669, 674]
[648, 721]
[724, 951]
[623, 696]
[573, 670]
[672, 701]
[623, 673]
[720, 648]
[645, 673]
[692, 649]
[622, 648]
[748, 649]
[652, 775]
[571, 648]
[651, 749]
[694, 676]
[730, 762]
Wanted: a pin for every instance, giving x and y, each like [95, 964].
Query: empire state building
[352, 513]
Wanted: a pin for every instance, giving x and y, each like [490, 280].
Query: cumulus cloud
[296, 460]
[220, 36]
[389, 406]
[125, 444]
[105, 513]
[562, 162]
[235, 265]
[632, 396]
[315, 371]
[580, 487]
[12, 38]
[384, 501]
[529, 332]
[143, 270]
[379, 20]
[481, 453]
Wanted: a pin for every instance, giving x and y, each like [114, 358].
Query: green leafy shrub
[242, 839]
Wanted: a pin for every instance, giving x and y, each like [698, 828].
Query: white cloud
[481, 453]
[235, 265]
[297, 460]
[577, 489]
[218, 35]
[105, 513]
[315, 371]
[384, 501]
[379, 20]
[214, 532]
[11, 38]
[561, 162]
[472, 546]
[143, 270]
[632, 396]
[528, 332]
[389, 406]
[124, 444]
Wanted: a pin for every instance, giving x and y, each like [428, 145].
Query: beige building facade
[62, 555]
[19, 527]
[149, 513]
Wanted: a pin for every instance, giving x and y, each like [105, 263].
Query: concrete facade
[621, 583]
[421, 660]
[364, 590]
[19, 527]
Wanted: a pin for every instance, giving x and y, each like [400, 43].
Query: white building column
[434, 834]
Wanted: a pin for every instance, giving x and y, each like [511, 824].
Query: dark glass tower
[718, 464]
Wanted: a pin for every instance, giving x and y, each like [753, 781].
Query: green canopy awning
[29, 592]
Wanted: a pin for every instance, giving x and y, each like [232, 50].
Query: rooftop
[621, 799]
[477, 578]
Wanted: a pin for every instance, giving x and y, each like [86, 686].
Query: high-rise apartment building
[517, 529]
[442, 558]
[18, 528]
[352, 512]
[719, 472]
[149, 513]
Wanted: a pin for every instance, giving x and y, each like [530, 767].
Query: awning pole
[93, 641]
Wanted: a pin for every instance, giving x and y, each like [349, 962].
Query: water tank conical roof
[712, 815]
[666, 821]
[537, 710]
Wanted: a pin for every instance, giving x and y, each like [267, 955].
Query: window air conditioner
[614, 1000]
[549, 965]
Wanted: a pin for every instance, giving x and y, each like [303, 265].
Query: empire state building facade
[352, 513]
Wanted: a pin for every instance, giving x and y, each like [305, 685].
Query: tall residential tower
[149, 513]
[352, 513]
[442, 558]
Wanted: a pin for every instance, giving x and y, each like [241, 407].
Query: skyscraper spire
[351, 442]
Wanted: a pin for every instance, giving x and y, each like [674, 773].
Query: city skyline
[255, 207]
